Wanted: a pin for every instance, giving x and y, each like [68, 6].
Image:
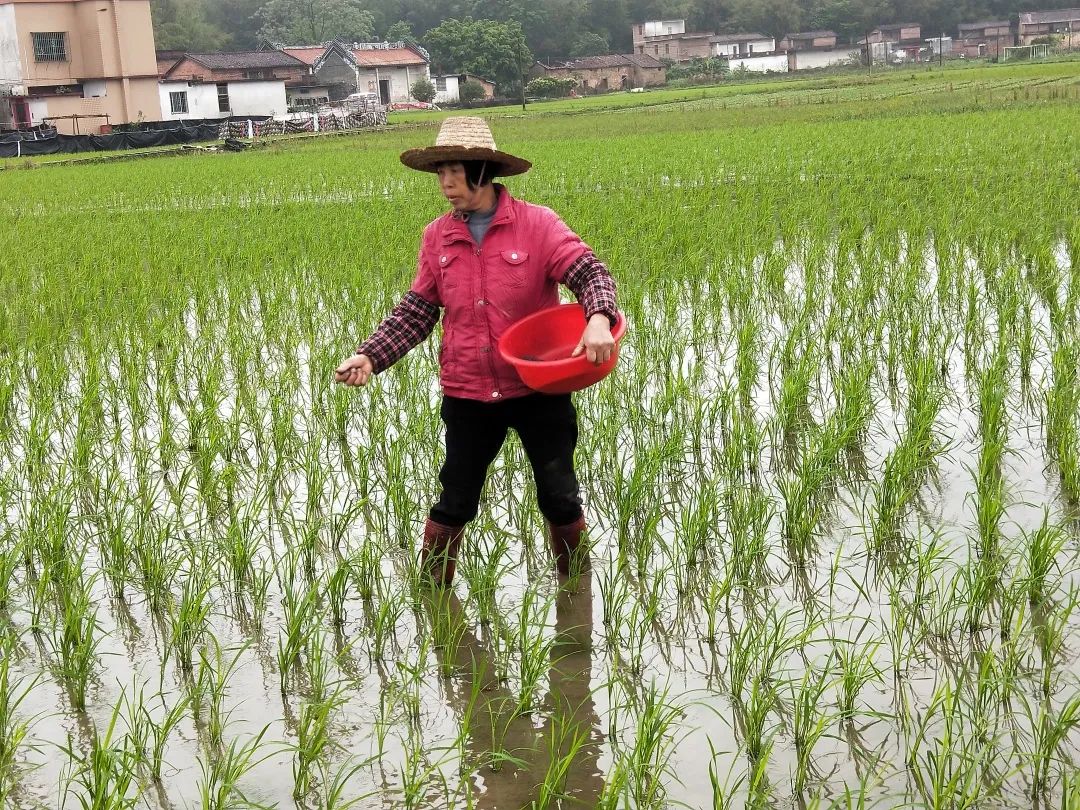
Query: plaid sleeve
[593, 286]
[408, 324]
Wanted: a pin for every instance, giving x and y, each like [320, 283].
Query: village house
[984, 38]
[1061, 26]
[386, 69]
[741, 45]
[223, 85]
[79, 65]
[448, 85]
[808, 41]
[889, 42]
[598, 74]
[668, 39]
[807, 50]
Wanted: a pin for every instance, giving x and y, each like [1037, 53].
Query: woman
[487, 263]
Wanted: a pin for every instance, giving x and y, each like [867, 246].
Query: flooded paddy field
[832, 484]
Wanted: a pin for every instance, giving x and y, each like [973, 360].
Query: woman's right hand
[357, 370]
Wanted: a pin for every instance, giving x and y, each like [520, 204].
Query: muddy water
[595, 678]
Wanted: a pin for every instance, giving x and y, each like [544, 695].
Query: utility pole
[941, 49]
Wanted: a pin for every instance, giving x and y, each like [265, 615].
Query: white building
[182, 100]
[447, 86]
[741, 45]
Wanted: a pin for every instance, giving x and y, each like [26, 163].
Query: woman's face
[455, 187]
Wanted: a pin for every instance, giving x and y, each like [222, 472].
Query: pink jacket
[525, 255]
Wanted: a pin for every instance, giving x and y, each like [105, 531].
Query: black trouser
[475, 431]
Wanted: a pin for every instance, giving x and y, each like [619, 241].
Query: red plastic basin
[539, 348]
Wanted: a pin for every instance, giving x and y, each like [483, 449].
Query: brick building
[598, 74]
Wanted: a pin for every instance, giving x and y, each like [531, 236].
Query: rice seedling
[814, 484]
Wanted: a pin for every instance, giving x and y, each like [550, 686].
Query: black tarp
[47, 141]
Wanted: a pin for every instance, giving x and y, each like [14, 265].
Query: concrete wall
[761, 64]
[105, 38]
[245, 98]
[10, 68]
[748, 48]
[401, 79]
[139, 96]
[808, 60]
[635, 77]
[257, 98]
[202, 101]
[338, 75]
[450, 94]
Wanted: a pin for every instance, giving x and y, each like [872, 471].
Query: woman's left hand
[596, 341]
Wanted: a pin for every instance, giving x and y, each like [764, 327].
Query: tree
[470, 91]
[423, 90]
[315, 21]
[590, 44]
[487, 48]
[400, 31]
[182, 25]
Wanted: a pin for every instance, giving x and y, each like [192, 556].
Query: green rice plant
[752, 713]
[13, 728]
[857, 668]
[11, 553]
[810, 723]
[313, 741]
[483, 570]
[648, 761]
[188, 619]
[160, 731]
[1051, 727]
[74, 639]
[565, 740]
[332, 796]
[300, 608]
[533, 644]
[723, 793]
[212, 682]
[337, 589]
[222, 771]
[105, 778]
[1043, 548]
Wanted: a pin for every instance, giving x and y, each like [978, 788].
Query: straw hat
[465, 137]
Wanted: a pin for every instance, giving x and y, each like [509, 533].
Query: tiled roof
[810, 35]
[610, 61]
[738, 38]
[245, 60]
[1042, 17]
[379, 57]
[976, 26]
[672, 37]
[308, 54]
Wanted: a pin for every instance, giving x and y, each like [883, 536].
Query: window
[178, 102]
[50, 47]
[440, 84]
[258, 74]
[223, 98]
[667, 48]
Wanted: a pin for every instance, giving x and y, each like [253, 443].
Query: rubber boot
[565, 542]
[438, 557]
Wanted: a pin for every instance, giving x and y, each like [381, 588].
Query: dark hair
[478, 172]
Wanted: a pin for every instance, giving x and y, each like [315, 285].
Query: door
[384, 91]
[20, 113]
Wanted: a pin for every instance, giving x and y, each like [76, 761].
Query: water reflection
[511, 758]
